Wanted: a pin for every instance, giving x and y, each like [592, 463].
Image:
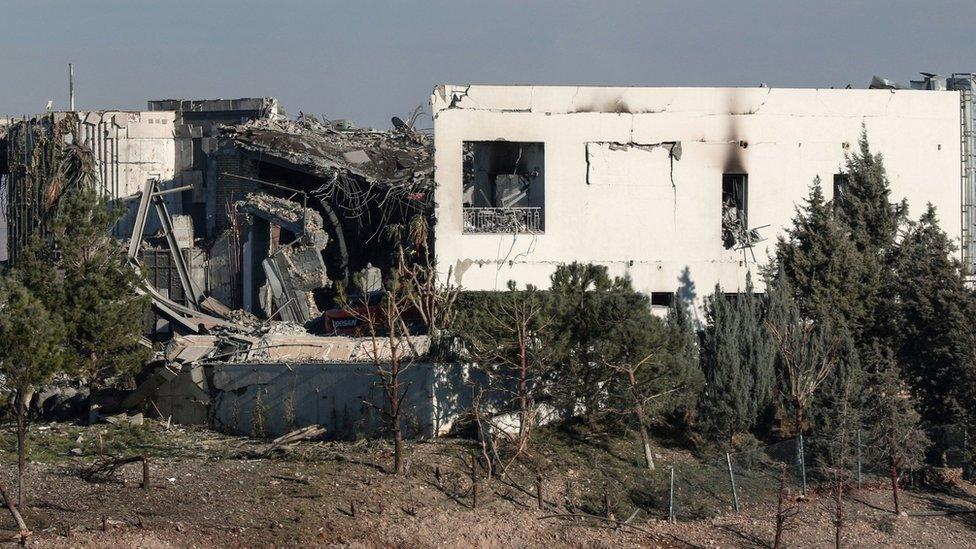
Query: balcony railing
[502, 220]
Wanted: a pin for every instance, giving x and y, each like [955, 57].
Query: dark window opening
[841, 181]
[662, 299]
[504, 187]
[735, 200]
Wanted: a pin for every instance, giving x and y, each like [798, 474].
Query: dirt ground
[212, 490]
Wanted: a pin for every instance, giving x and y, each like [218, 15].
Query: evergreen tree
[895, 436]
[935, 341]
[579, 293]
[832, 281]
[864, 203]
[737, 359]
[758, 347]
[683, 359]
[30, 353]
[95, 292]
[508, 335]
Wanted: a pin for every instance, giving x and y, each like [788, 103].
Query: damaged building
[246, 223]
[678, 188]
[242, 222]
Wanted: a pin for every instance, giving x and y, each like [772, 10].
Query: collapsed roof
[361, 171]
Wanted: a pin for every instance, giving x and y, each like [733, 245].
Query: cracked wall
[631, 218]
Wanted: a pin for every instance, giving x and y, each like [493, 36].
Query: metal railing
[503, 220]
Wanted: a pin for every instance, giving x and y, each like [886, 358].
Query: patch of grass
[597, 462]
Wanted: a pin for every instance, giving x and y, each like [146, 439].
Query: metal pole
[858, 459]
[803, 465]
[71, 87]
[671, 498]
[735, 495]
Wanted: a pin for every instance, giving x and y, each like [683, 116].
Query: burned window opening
[735, 199]
[503, 187]
[841, 181]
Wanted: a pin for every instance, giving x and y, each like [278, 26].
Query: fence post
[802, 459]
[671, 499]
[735, 495]
[859, 459]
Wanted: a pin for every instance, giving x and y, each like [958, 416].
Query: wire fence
[731, 482]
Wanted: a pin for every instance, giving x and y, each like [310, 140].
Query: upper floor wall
[644, 180]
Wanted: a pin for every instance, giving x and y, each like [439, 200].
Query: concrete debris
[296, 270]
[734, 233]
[59, 403]
[123, 419]
[324, 147]
[284, 343]
[880, 83]
[284, 213]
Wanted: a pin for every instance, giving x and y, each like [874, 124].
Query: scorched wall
[613, 190]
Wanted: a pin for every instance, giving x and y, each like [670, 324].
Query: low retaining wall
[346, 399]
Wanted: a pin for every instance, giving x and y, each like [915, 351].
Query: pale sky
[366, 61]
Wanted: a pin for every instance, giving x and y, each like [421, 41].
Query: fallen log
[305, 433]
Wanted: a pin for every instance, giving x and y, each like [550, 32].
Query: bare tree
[387, 327]
[808, 354]
[641, 397]
[785, 511]
[430, 296]
[842, 421]
[506, 338]
[412, 288]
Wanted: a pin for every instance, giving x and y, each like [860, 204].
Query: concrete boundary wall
[345, 398]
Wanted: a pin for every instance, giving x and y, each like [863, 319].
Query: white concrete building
[531, 177]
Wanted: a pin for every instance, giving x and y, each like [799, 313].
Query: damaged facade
[679, 188]
[241, 221]
[246, 223]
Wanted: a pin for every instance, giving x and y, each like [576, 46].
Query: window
[841, 181]
[735, 200]
[504, 187]
[662, 299]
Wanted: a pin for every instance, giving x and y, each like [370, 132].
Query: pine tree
[737, 360]
[579, 294]
[864, 204]
[895, 436]
[30, 353]
[508, 336]
[684, 360]
[935, 341]
[651, 363]
[99, 303]
[832, 281]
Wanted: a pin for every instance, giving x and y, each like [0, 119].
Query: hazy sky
[366, 61]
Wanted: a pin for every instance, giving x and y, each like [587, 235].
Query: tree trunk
[839, 514]
[641, 421]
[397, 449]
[894, 486]
[780, 511]
[21, 450]
[523, 390]
[394, 395]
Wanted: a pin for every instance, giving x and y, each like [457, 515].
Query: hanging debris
[364, 173]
